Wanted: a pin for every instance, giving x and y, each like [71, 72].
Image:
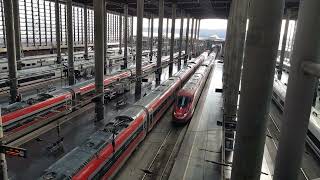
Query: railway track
[275, 139]
[162, 162]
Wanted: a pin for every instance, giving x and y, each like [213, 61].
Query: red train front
[182, 111]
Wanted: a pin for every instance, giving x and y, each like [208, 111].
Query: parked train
[42, 60]
[313, 138]
[105, 151]
[189, 95]
[25, 113]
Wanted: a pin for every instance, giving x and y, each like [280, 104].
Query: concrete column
[151, 39]
[120, 33]
[159, 54]
[187, 40]
[16, 16]
[198, 39]
[105, 47]
[70, 44]
[131, 39]
[11, 49]
[125, 58]
[167, 39]
[191, 39]
[99, 8]
[58, 43]
[149, 28]
[283, 45]
[226, 63]
[300, 91]
[258, 71]
[173, 25]
[234, 55]
[180, 40]
[85, 18]
[194, 40]
[140, 6]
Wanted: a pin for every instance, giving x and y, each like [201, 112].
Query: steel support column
[151, 39]
[258, 71]
[120, 33]
[99, 20]
[85, 19]
[283, 45]
[70, 44]
[11, 49]
[187, 41]
[300, 92]
[57, 18]
[173, 25]
[140, 6]
[16, 16]
[125, 58]
[159, 54]
[180, 41]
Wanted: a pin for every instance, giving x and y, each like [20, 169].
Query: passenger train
[104, 152]
[24, 113]
[189, 94]
[313, 138]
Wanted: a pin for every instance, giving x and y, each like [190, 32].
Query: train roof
[76, 159]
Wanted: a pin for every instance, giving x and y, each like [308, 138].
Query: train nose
[180, 113]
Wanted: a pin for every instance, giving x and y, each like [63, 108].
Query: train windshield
[183, 101]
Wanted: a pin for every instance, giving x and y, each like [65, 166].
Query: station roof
[203, 9]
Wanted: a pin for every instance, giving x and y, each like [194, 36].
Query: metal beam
[11, 49]
[160, 39]
[300, 92]
[125, 59]
[140, 4]
[99, 20]
[258, 71]
[57, 18]
[283, 45]
[173, 26]
[180, 40]
[70, 44]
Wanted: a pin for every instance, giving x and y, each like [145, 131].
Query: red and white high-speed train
[313, 134]
[105, 151]
[22, 114]
[189, 95]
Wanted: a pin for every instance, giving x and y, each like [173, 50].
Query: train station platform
[200, 153]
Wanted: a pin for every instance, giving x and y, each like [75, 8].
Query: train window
[33, 64]
[183, 101]
[5, 68]
[28, 64]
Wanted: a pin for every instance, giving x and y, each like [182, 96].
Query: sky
[206, 24]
